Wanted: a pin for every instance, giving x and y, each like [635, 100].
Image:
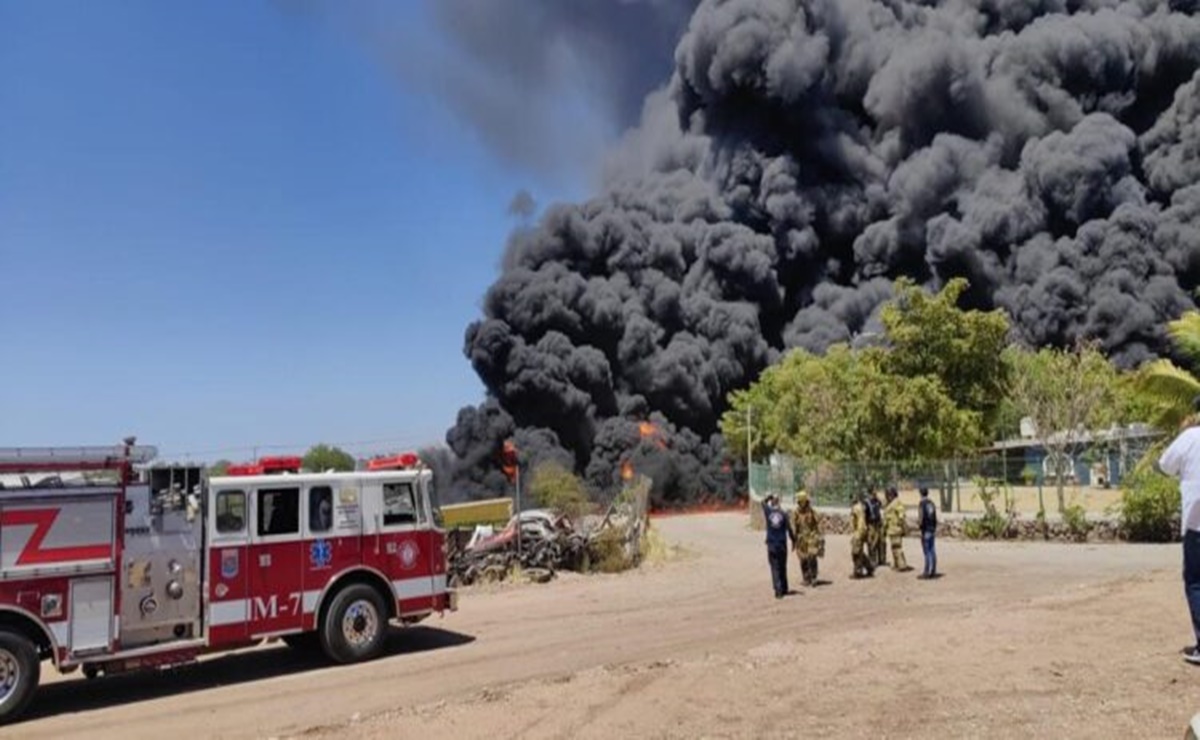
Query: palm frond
[1185, 334]
[1171, 389]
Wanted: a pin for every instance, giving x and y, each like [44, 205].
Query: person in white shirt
[1182, 460]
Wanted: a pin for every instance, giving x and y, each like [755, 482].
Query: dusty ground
[1016, 640]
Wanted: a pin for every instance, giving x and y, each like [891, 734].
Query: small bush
[1149, 507]
[993, 524]
[1076, 522]
[608, 552]
[555, 487]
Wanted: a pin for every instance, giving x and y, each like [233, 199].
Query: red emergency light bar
[281, 464]
[395, 462]
[267, 465]
[244, 469]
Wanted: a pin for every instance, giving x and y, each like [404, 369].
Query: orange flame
[649, 430]
[626, 470]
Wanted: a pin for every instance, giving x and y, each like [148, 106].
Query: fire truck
[109, 563]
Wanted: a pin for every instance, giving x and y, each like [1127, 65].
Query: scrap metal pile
[550, 542]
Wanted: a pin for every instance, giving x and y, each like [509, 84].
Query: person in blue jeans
[1182, 460]
[927, 523]
[779, 531]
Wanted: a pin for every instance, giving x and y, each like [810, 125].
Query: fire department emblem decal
[320, 554]
[408, 555]
[229, 563]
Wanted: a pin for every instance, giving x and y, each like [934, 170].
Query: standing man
[894, 525]
[1182, 460]
[927, 522]
[779, 531]
[809, 543]
[875, 519]
[858, 538]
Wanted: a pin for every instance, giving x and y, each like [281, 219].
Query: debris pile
[550, 542]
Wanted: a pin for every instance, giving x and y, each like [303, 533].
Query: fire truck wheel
[355, 625]
[19, 673]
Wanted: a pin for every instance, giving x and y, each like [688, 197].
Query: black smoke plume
[800, 157]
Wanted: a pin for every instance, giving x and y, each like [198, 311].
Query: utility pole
[517, 480]
[749, 453]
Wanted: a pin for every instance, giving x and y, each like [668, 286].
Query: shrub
[1076, 522]
[553, 486]
[992, 524]
[1149, 507]
[609, 554]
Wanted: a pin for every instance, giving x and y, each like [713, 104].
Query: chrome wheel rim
[360, 623]
[10, 675]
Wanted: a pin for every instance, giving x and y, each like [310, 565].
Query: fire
[650, 430]
[626, 470]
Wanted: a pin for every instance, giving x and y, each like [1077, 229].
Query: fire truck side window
[320, 509]
[231, 511]
[399, 504]
[278, 511]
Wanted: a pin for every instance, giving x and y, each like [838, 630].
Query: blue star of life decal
[320, 553]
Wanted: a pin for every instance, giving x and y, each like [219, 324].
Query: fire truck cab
[108, 564]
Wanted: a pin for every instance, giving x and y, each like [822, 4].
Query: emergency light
[395, 462]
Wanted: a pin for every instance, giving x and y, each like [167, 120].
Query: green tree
[322, 457]
[220, 467]
[1168, 390]
[553, 486]
[929, 335]
[845, 406]
[1067, 394]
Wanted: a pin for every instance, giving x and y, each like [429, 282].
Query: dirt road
[1016, 640]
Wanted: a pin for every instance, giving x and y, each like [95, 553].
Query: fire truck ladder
[36, 459]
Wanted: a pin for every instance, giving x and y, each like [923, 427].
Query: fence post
[957, 487]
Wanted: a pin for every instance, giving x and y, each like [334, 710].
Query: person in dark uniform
[927, 521]
[779, 532]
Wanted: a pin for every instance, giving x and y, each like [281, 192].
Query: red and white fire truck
[109, 564]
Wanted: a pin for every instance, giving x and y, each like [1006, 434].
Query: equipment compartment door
[276, 562]
[91, 615]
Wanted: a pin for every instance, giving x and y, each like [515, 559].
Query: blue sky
[223, 225]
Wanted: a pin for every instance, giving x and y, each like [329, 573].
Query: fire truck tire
[20, 672]
[355, 626]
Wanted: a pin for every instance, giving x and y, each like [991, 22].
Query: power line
[252, 448]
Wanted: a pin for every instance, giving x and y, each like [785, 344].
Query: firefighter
[863, 568]
[894, 525]
[809, 544]
[876, 547]
[779, 531]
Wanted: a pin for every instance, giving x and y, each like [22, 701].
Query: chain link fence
[1092, 478]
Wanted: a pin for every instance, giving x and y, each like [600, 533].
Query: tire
[303, 642]
[355, 627]
[20, 671]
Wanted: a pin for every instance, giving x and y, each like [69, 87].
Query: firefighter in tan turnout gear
[858, 539]
[893, 527]
[809, 544]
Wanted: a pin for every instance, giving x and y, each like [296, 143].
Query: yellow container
[494, 511]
